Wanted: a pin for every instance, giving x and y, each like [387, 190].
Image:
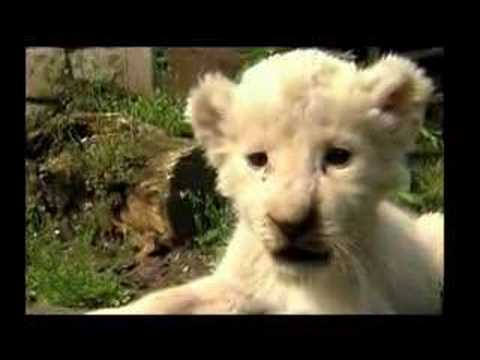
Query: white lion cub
[307, 146]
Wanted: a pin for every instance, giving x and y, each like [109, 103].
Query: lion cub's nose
[293, 230]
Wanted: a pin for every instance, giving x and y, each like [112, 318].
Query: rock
[125, 267]
[187, 64]
[143, 190]
[61, 184]
[41, 309]
[37, 144]
[140, 77]
[129, 68]
[31, 182]
[38, 112]
[149, 206]
[45, 72]
[155, 205]
[98, 63]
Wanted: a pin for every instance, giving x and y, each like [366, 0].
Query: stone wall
[47, 69]
[130, 68]
[186, 65]
[133, 68]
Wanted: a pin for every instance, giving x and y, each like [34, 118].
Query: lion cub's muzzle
[302, 242]
[293, 231]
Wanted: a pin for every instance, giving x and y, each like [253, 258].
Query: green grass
[426, 193]
[80, 272]
[67, 274]
[162, 110]
[161, 66]
[109, 161]
[213, 219]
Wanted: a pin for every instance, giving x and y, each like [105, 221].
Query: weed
[213, 219]
[66, 274]
[427, 173]
[162, 110]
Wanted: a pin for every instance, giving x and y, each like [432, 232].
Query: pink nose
[293, 230]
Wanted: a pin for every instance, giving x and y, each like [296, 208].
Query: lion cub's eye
[257, 159]
[337, 156]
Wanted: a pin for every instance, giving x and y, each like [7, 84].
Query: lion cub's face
[306, 153]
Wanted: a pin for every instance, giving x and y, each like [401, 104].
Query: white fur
[295, 107]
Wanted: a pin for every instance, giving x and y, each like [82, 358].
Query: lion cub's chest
[323, 298]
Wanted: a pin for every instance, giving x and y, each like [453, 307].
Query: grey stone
[129, 68]
[45, 72]
[139, 71]
[106, 64]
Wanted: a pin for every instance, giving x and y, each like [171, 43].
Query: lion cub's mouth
[293, 254]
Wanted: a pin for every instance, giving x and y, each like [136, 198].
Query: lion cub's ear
[399, 93]
[208, 104]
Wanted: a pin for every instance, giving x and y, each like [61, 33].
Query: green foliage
[161, 66]
[78, 271]
[162, 110]
[427, 169]
[213, 219]
[426, 193]
[112, 160]
[430, 142]
[255, 55]
[66, 274]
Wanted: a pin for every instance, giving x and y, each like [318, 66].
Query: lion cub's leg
[208, 295]
[430, 233]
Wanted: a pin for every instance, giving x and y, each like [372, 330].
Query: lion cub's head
[307, 144]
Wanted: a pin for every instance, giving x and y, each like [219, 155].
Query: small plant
[162, 110]
[431, 141]
[77, 270]
[161, 66]
[257, 54]
[426, 194]
[426, 189]
[213, 219]
[66, 274]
